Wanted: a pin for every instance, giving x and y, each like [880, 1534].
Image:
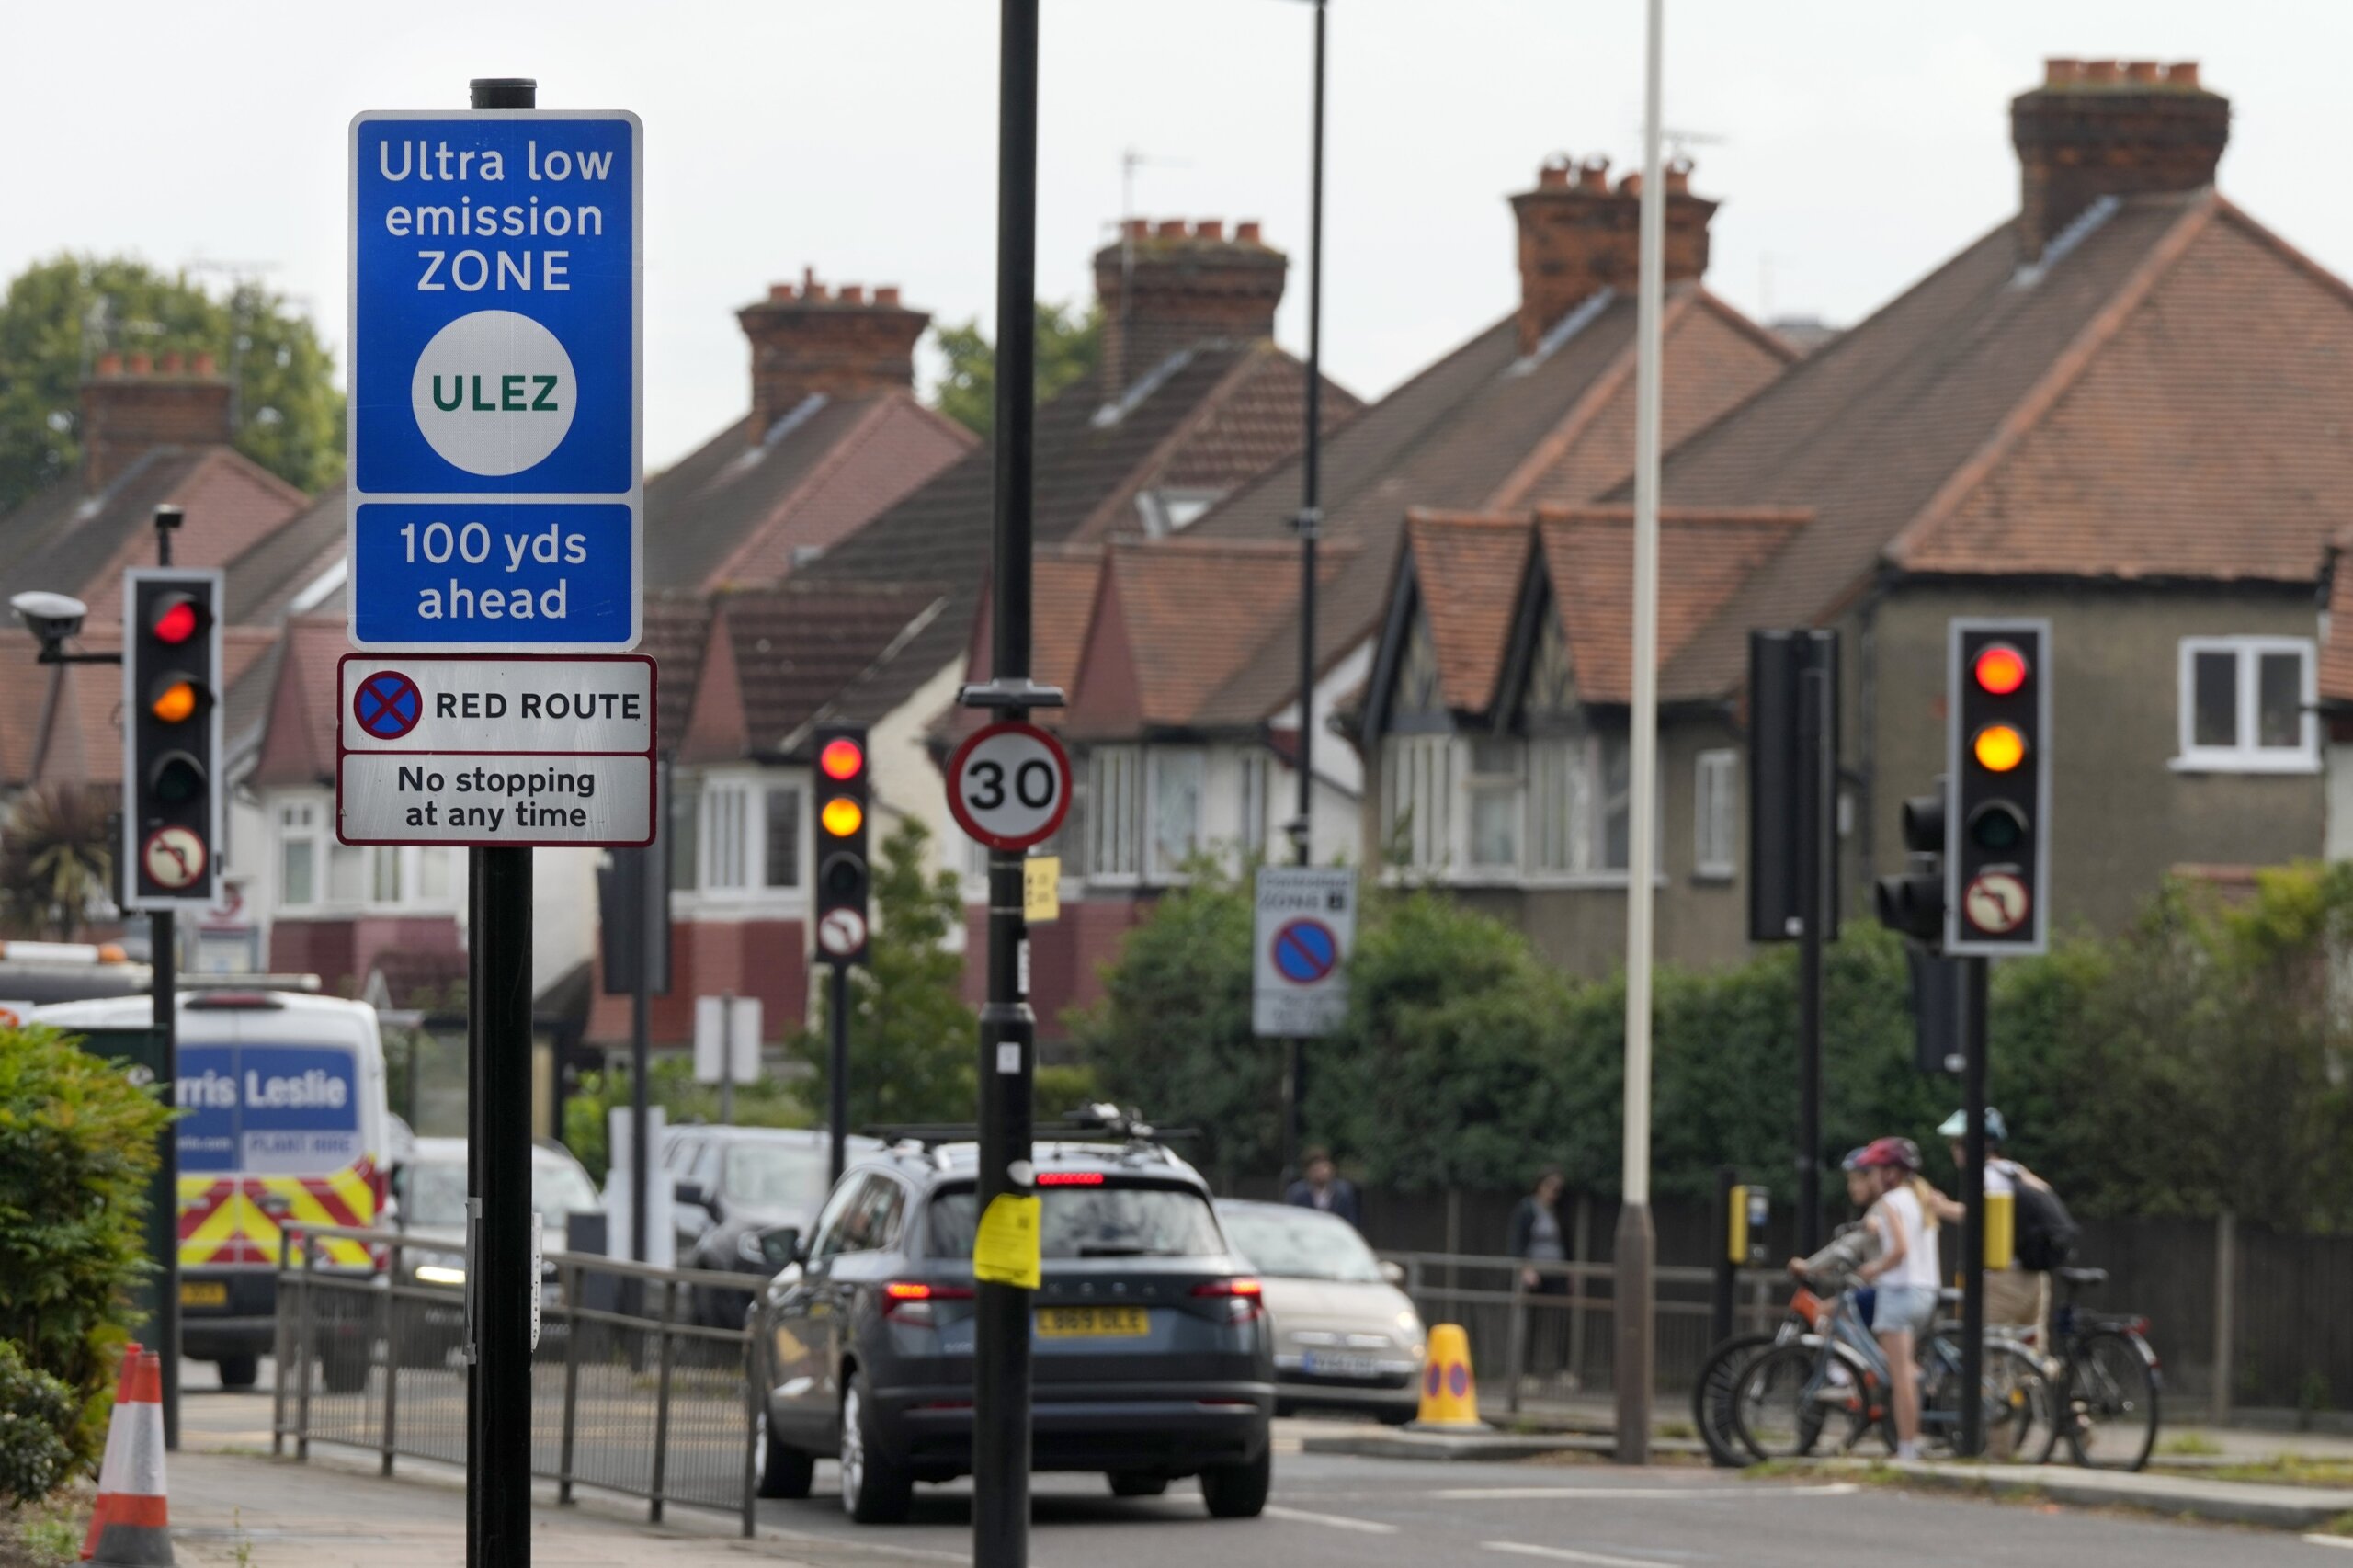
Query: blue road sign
[1306, 951]
[388, 705]
[497, 370]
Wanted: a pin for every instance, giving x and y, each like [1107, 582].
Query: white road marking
[2344, 1541]
[1562, 1554]
[1369, 1527]
[1635, 1493]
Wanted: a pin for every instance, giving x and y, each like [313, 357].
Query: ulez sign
[497, 406]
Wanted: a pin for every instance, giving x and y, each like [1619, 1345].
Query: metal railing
[1557, 1340]
[635, 1388]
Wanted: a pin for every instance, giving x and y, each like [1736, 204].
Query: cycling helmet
[1854, 1160]
[1883, 1153]
[1956, 1127]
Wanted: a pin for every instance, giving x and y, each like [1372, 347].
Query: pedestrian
[1323, 1186]
[1535, 1239]
[1905, 1272]
[2018, 1294]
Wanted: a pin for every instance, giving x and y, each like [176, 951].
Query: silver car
[1345, 1337]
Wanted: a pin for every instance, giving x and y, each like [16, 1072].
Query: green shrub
[77, 1149]
[38, 1417]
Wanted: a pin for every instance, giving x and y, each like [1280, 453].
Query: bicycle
[2110, 1379]
[1719, 1380]
[1822, 1393]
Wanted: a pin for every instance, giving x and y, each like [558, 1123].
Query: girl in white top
[1905, 1273]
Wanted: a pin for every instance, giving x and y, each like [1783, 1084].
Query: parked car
[736, 1182]
[283, 1114]
[1152, 1356]
[1345, 1337]
[431, 1192]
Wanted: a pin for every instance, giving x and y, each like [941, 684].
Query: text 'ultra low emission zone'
[496, 802]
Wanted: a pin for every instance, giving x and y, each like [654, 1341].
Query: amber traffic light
[844, 878]
[1997, 851]
[172, 677]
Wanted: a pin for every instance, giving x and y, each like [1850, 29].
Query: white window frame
[1715, 814]
[1585, 787]
[1116, 819]
[1159, 763]
[1510, 785]
[2244, 755]
[1417, 779]
[308, 821]
[308, 833]
[1257, 774]
[733, 832]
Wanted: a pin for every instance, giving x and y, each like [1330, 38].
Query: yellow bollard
[2001, 1228]
[1449, 1395]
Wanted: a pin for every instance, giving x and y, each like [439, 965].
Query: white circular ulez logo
[493, 393]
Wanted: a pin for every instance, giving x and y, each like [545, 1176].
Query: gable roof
[298, 738]
[736, 511]
[2156, 400]
[1466, 570]
[777, 659]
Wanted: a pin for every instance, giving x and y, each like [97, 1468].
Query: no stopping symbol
[388, 705]
[1305, 951]
[1008, 786]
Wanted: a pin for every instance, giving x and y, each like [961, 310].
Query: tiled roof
[299, 745]
[1588, 558]
[677, 624]
[1482, 428]
[1467, 568]
[803, 651]
[734, 512]
[265, 579]
[2161, 401]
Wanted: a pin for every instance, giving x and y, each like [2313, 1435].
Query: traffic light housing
[172, 789]
[1781, 769]
[1911, 902]
[1997, 839]
[845, 880]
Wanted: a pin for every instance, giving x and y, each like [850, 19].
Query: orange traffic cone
[1450, 1396]
[129, 1528]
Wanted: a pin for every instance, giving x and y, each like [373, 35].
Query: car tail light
[1070, 1178]
[910, 1300]
[1245, 1298]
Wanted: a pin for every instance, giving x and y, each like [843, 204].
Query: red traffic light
[2000, 669]
[178, 619]
[841, 759]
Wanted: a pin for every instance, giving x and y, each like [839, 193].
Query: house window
[432, 875]
[386, 880]
[726, 811]
[1495, 787]
[781, 826]
[1117, 811]
[1579, 789]
[686, 833]
[1711, 828]
[297, 855]
[1255, 773]
[1176, 809]
[1417, 787]
[2246, 704]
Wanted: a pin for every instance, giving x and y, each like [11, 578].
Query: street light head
[52, 617]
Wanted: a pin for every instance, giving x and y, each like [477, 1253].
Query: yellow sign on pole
[1041, 888]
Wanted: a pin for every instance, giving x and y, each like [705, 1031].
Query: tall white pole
[1636, 1240]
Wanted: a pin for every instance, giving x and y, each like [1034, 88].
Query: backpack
[2046, 1232]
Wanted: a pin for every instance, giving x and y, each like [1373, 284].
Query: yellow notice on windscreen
[1005, 1250]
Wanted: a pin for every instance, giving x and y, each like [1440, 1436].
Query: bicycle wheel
[1800, 1401]
[1712, 1395]
[2022, 1406]
[2110, 1401]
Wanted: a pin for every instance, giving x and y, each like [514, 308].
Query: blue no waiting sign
[497, 259]
[1304, 924]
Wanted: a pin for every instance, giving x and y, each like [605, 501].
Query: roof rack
[1100, 1121]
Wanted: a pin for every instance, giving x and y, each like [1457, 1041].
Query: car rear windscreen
[1110, 1221]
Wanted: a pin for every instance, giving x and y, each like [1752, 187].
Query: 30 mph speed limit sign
[1009, 786]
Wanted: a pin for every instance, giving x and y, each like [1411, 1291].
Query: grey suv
[1152, 1353]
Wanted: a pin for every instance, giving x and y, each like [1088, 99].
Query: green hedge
[2197, 1061]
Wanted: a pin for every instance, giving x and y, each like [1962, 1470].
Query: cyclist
[1905, 1273]
[2015, 1297]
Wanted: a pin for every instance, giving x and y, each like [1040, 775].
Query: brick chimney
[2099, 128]
[1171, 284]
[130, 408]
[1578, 235]
[841, 343]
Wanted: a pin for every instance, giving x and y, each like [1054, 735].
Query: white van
[283, 1117]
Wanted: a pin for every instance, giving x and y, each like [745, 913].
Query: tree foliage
[77, 1148]
[56, 859]
[57, 316]
[2202, 1060]
[37, 1415]
[1070, 342]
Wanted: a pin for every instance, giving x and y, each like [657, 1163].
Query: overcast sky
[1857, 142]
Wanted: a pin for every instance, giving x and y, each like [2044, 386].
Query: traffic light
[1913, 901]
[1997, 841]
[843, 879]
[171, 752]
[1792, 780]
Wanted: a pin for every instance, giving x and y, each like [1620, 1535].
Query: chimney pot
[1679, 177]
[1248, 232]
[205, 364]
[1578, 237]
[1594, 175]
[814, 293]
[2078, 142]
[1172, 229]
[2183, 74]
[1164, 299]
[140, 365]
[1137, 228]
[1631, 185]
[171, 365]
[2061, 71]
[111, 363]
[2144, 71]
[125, 416]
[887, 294]
[779, 292]
[1210, 229]
[853, 294]
[1552, 174]
[800, 349]
[2101, 72]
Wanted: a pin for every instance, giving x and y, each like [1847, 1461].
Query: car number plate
[1093, 1322]
[1321, 1365]
[204, 1294]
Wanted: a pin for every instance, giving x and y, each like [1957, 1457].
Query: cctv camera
[52, 617]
